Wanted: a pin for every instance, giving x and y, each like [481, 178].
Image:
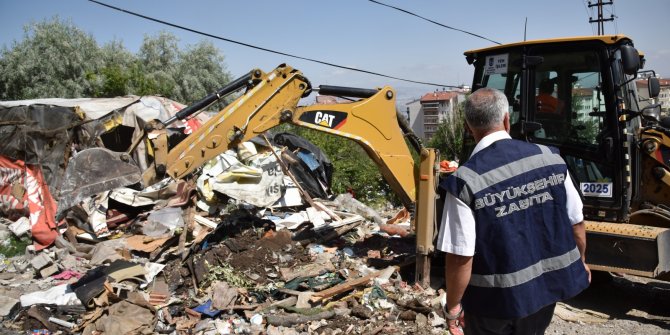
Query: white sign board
[496, 64]
[600, 190]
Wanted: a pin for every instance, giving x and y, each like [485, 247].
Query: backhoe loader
[617, 152]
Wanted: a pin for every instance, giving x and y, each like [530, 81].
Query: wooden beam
[344, 287]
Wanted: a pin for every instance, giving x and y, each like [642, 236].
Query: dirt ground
[613, 305]
[623, 305]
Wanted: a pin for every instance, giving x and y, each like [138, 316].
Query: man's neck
[479, 134]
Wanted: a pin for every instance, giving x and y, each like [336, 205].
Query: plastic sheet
[163, 222]
[93, 171]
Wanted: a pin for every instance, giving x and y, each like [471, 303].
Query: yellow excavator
[272, 98]
[617, 152]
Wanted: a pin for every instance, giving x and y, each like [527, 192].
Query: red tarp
[23, 189]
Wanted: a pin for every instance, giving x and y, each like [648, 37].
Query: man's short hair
[546, 86]
[486, 108]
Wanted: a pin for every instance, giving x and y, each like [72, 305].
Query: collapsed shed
[38, 137]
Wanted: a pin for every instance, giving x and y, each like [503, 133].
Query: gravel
[621, 305]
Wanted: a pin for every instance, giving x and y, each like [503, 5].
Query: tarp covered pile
[253, 242]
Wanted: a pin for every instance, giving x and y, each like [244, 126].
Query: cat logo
[327, 119]
[323, 119]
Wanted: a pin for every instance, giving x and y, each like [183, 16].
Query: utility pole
[601, 20]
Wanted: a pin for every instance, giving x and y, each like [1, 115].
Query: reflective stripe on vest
[477, 182]
[527, 274]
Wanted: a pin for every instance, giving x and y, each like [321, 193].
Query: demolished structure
[254, 243]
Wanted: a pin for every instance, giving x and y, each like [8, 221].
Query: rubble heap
[253, 243]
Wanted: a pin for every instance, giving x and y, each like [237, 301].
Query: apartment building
[426, 113]
[663, 97]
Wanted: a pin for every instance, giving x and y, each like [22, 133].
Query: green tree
[158, 58]
[448, 138]
[200, 70]
[52, 60]
[584, 128]
[114, 78]
[57, 59]
[185, 76]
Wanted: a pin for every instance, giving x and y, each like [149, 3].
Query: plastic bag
[163, 222]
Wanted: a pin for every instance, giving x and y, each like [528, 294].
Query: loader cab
[570, 94]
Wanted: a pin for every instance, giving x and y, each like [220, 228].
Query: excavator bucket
[628, 248]
[93, 171]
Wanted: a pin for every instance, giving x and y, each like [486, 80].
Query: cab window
[568, 100]
[506, 80]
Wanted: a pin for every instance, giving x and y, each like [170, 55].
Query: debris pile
[254, 242]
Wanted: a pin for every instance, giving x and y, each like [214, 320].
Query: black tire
[601, 277]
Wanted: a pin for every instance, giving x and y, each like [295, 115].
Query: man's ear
[506, 122]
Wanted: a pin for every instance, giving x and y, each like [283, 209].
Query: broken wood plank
[337, 232]
[189, 220]
[288, 291]
[241, 307]
[344, 287]
[347, 218]
[308, 270]
[331, 235]
[330, 213]
[205, 221]
[295, 319]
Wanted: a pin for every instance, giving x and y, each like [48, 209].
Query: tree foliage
[57, 59]
[448, 138]
[200, 71]
[52, 60]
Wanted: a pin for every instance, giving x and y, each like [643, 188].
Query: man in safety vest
[512, 229]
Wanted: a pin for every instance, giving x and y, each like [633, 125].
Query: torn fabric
[23, 189]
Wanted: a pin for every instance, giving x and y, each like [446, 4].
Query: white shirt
[457, 229]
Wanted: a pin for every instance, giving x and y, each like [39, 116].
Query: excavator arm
[272, 99]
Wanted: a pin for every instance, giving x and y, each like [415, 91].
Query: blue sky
[354, 33]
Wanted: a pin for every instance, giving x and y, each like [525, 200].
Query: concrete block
[20, 227]
[21, 264]
[41, 261]
[49, 270]
[7, 305]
